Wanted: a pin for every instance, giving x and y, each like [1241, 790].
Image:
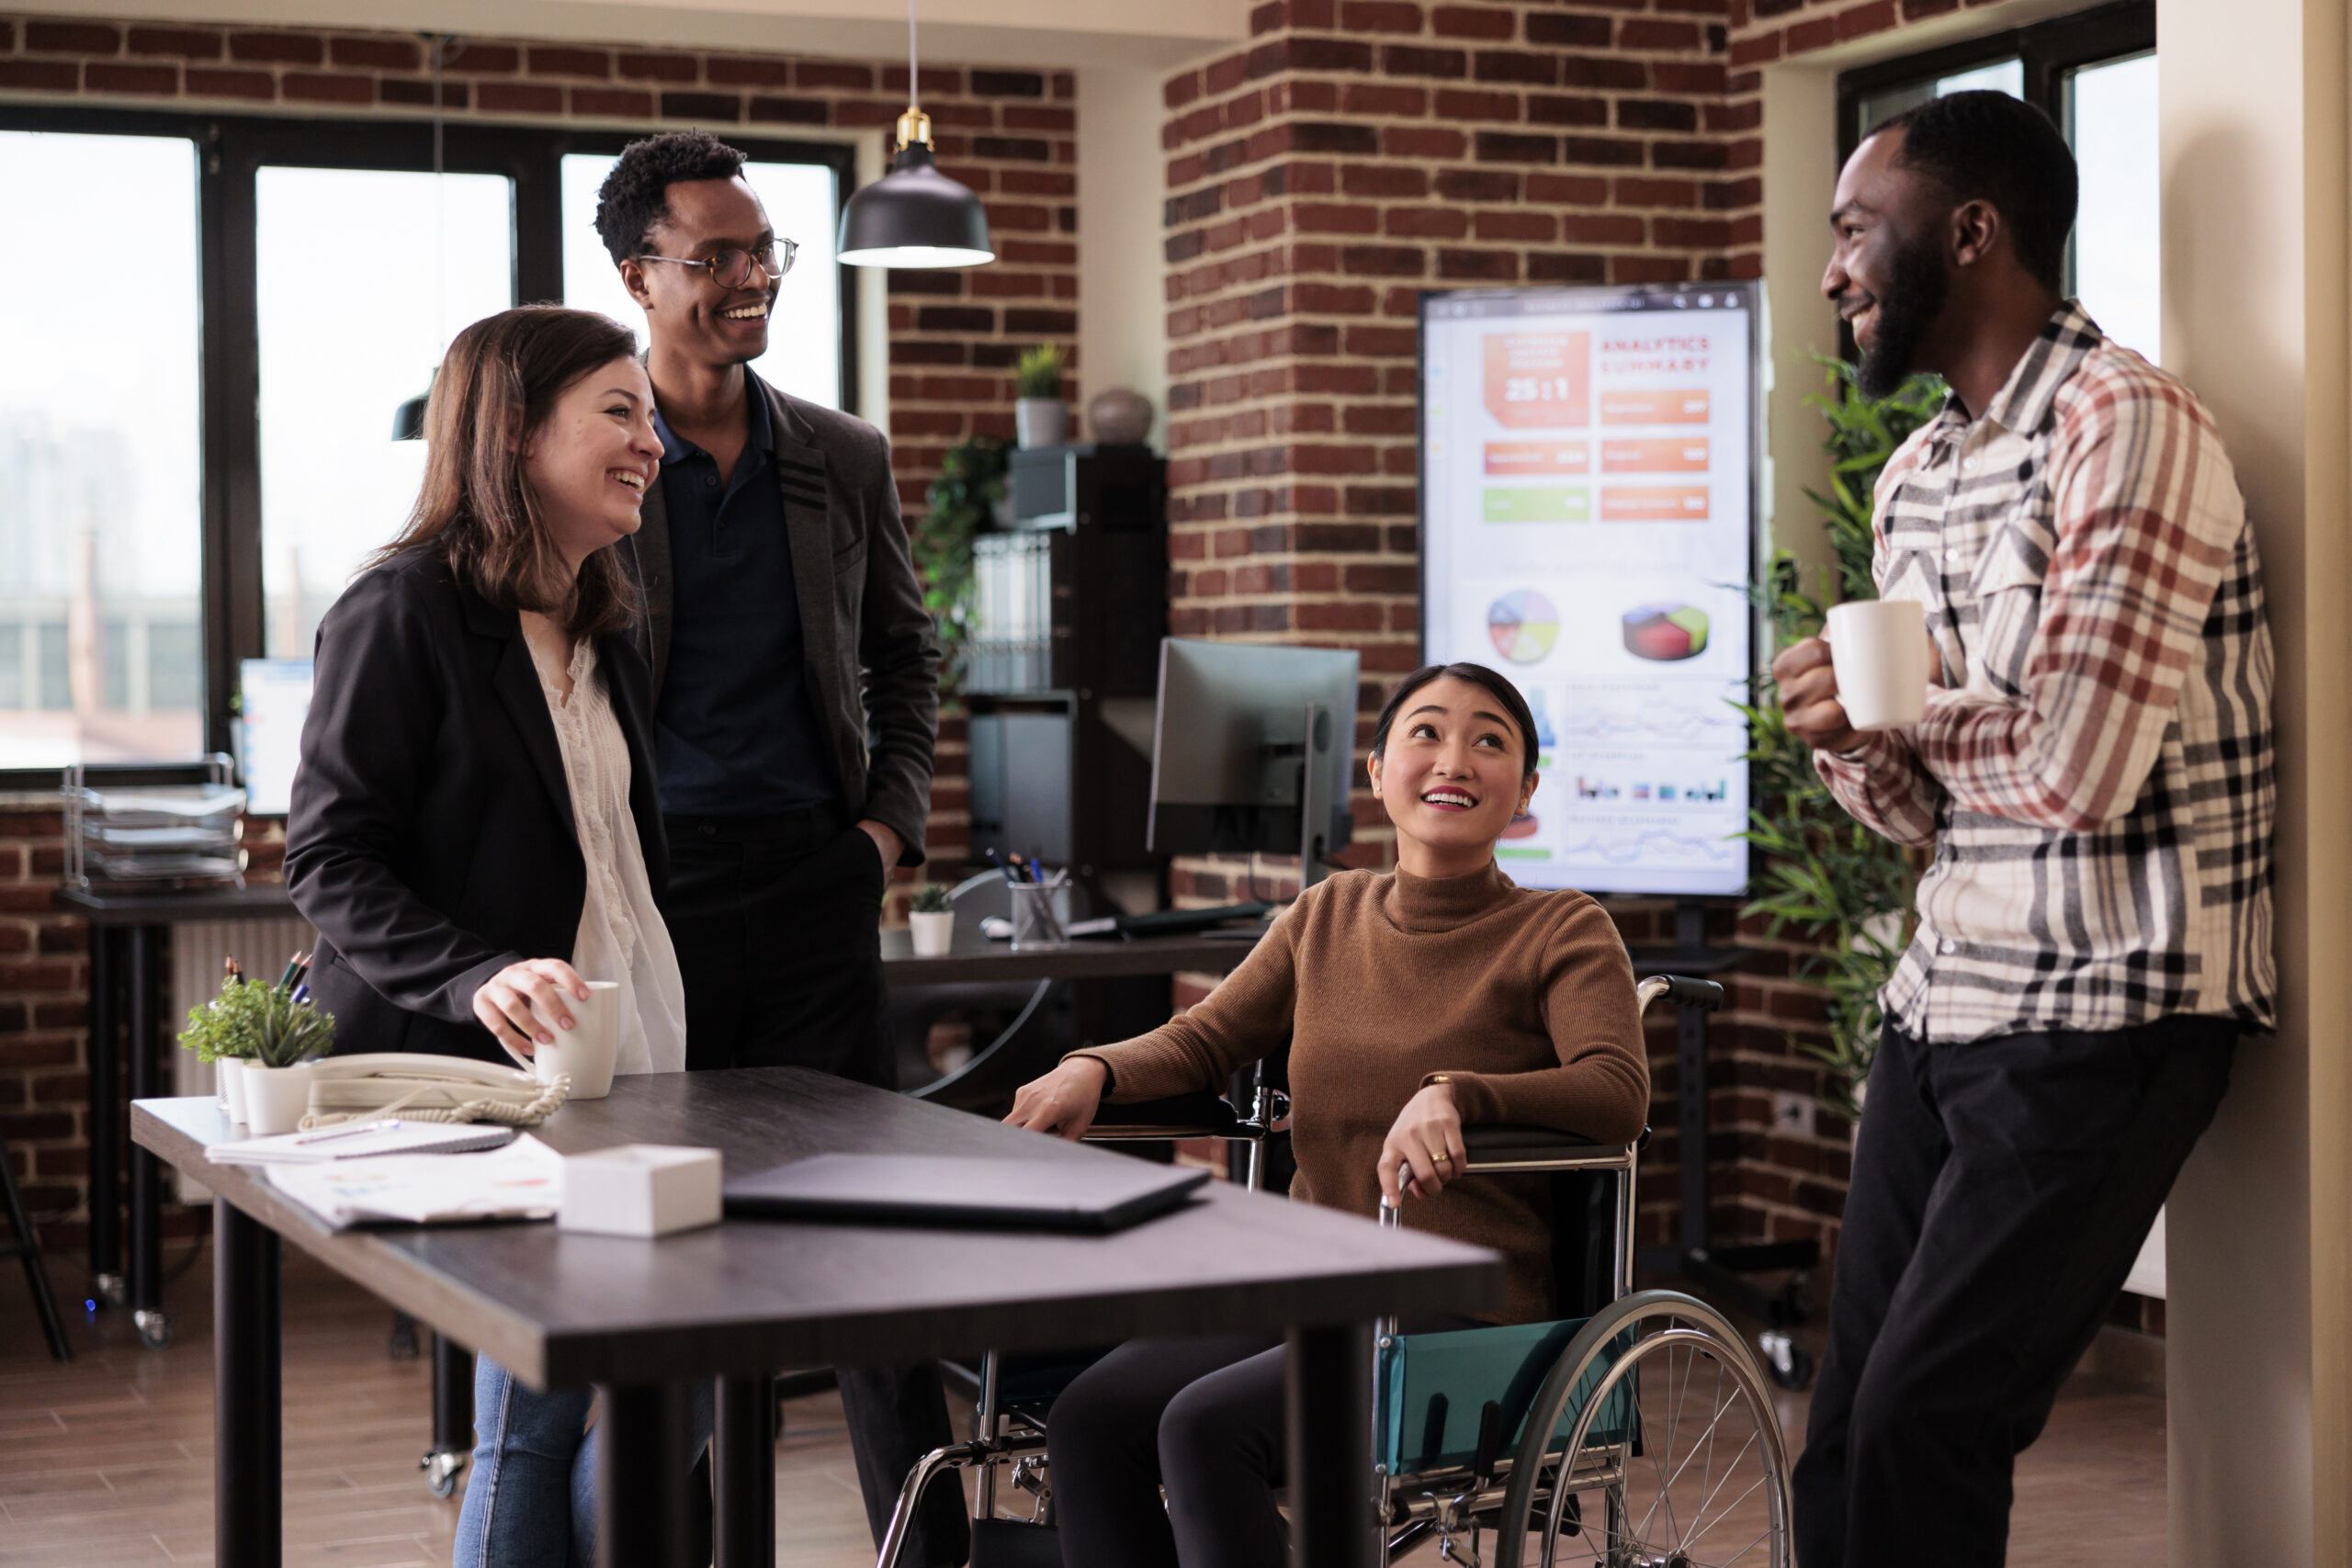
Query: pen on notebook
[390, 1125]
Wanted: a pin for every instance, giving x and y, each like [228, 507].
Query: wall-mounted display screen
[1589, 484]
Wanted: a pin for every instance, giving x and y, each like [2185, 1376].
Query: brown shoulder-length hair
[497, 385]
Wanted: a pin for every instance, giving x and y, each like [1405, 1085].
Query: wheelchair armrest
[1201, 1114]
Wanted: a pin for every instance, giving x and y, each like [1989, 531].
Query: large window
[101, 504]
[2094, 73]
[191, 470]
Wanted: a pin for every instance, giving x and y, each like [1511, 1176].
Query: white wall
[1122, 302]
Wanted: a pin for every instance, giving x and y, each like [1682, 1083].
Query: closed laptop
[1039, 1194]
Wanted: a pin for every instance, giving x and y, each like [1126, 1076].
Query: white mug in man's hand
[587, 1050]
[1880, 650]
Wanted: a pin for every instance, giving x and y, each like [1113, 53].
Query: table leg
[1326, 1390]
[105, 1123]
[453, 1415]
[742, 1466]
[641, 1476]
[247, 1520]
[146, 1170]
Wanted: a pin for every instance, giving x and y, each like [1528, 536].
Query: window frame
[231, 150]
[2050, 51]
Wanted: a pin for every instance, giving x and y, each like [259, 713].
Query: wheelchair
[1641, 1435]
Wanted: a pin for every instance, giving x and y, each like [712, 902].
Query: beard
[1914, 297]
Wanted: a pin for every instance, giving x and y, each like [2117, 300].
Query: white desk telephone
[421, 1088]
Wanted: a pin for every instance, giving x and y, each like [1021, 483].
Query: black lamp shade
[408, 420]
[915, 217]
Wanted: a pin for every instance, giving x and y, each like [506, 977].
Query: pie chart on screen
[1524, 625]
[1665, 633]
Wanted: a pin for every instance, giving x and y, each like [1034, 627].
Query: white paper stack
[522, 1181]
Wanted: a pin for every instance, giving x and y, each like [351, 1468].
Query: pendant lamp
[408, 420]
[914, 216]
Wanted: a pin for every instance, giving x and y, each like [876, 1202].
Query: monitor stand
[1315, 801]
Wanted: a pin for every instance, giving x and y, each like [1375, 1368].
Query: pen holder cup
[1034, 922]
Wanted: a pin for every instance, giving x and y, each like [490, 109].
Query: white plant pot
[1041, 421]
[933, 932]
[277, 1097]
[233, 1085]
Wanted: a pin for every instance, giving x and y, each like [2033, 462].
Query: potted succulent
[933, 920]
[1039, 416]
[268, 1035]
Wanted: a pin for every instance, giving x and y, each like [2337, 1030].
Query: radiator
[198, 950]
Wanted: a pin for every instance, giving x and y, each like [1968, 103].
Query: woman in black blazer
[474, 823]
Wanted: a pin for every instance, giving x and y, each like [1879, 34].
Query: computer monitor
[274, 698]
[1253, 748]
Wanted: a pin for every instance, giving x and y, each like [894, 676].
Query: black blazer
[870, 648]
[431, 838]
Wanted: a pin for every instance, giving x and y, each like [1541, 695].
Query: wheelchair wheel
[1689, 1462]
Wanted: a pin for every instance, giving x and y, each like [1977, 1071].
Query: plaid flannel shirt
[2094, 771]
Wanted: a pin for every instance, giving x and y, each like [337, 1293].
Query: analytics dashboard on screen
[1588, 528]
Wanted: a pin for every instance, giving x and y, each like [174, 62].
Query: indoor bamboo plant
[1823, 873]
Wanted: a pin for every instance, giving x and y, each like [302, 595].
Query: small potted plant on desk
[267, 1036]
[1040, 418]
[933, 921]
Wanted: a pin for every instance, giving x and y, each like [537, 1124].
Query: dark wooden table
[736, 1300]
[127, 932]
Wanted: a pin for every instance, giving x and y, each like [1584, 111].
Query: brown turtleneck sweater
[1526, 998]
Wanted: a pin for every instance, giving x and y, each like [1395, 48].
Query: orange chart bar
[1654, 503]
[1681, 455]
[1646, 406]
[1539, 457]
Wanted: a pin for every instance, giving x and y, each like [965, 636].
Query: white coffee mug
[1879, 648]
[586, 1050]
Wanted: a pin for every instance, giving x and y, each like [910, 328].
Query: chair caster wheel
[112, 1290]
[1787, 1363]
[441, 1467]
[155, 1328]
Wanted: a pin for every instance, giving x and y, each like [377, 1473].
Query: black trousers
[776, 920]
[2001, 1189]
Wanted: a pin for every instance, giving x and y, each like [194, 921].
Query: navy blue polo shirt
[735, 733]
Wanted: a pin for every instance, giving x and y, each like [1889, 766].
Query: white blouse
[622, 937]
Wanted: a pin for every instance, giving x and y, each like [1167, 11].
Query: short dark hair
[1991, 147]
[1477, 675]
[636, 195]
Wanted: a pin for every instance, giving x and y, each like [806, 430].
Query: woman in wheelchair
[1415, 1003]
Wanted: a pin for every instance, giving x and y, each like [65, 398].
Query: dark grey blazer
[871, 651]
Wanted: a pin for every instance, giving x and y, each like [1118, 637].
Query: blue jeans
[531, 1500]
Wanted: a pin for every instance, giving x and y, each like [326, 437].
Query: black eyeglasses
[732, 269]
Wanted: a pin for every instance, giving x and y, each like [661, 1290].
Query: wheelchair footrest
[1010, 1543]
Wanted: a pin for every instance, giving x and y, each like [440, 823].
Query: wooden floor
[109, 1460]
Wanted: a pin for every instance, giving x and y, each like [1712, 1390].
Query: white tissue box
[639, 1189]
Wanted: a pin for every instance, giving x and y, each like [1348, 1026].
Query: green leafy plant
[262, 1025]
[931, 898]
[971, 480]
[1824, 874]
[1039, 372]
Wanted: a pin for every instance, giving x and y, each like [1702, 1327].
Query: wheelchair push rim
[1710, 1487]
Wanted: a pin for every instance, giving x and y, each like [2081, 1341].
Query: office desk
[126, 930]
[740, 1299]
[974, 958]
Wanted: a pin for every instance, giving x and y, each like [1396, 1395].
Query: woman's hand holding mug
[1063, 1102]
[1426, 1138]
[523, 1004]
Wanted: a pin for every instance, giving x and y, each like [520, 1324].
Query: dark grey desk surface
[747, 1296]
[974, 958]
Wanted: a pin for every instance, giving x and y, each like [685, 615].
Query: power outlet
[1792, 1113]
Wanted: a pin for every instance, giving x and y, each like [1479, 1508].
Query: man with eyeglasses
[797, 696]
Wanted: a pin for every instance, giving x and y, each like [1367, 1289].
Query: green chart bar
[1539, 504]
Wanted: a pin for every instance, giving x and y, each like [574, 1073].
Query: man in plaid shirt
[2093, 774]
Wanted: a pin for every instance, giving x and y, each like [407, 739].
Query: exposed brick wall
[1008, 131]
